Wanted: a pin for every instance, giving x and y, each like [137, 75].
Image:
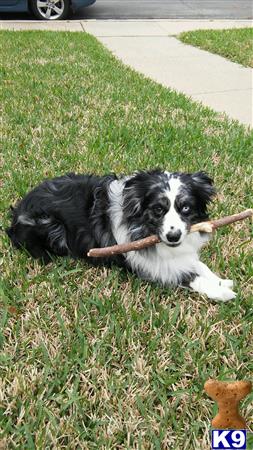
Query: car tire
[50, 9]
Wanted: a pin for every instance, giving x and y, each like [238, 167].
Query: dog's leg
[204, 271]
[206, 282]
[210, 288]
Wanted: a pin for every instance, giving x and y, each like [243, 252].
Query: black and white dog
[71, 214]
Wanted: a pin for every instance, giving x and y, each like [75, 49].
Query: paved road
[168, 9]
[160, 9]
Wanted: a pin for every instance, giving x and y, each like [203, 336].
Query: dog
[70, 214]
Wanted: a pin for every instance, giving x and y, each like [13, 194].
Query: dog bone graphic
[228, 395]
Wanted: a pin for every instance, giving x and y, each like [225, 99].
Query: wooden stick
[206, 227]
[124, 248]
[213, 224]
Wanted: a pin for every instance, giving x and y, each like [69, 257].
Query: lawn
[93, 358]
[234, 44]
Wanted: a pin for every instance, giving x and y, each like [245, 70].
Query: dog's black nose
[174, 236]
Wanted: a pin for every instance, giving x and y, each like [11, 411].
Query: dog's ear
[203, 187]
[132, 197]
[136, 191]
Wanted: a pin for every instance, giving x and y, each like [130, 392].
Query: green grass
[95, 358]
[234, 44]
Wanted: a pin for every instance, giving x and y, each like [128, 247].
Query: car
[44, 9]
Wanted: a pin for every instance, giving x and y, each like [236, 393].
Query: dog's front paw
[220, 293]
[214, 291]
[224, 294]
[226, 283]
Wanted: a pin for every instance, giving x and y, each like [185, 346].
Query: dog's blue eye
[186, 209]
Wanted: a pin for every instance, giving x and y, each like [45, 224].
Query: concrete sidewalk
[151, 48]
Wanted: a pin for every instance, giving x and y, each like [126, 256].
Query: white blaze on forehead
[172, 218]
[175, 185]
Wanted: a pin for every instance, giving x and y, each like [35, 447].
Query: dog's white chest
[164, 264]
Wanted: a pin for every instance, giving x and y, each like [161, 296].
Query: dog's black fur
[64, 216]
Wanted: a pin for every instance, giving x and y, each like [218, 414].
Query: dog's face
[165, 204]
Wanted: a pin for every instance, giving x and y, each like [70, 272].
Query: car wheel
[50, 9]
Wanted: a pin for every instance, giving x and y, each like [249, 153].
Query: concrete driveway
[154, 9]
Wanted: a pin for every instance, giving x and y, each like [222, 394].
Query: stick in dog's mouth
[205, 227]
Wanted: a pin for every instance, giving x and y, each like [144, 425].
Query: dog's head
[165, 204]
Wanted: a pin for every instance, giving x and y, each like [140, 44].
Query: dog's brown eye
[158, 210]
